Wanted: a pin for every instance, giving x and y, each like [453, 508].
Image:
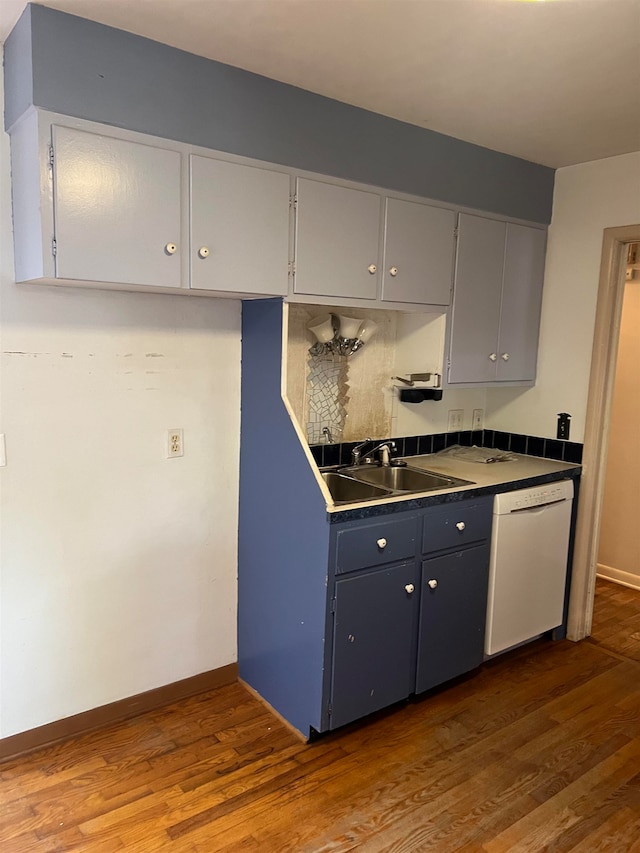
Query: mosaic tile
[327, 384]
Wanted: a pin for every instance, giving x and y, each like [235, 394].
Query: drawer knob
[373, 269]
[432, 584]
[493, 356]
[460, 525]
[409, 588]
[171, 248]
[505, 356]
[393, 271]
[203, 252]
[382, 544]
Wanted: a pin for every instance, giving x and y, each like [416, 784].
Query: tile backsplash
[530, 445]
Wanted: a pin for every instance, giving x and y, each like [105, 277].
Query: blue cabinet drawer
[374, 544]
[457, 525]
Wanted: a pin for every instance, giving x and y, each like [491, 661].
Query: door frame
[598, 420]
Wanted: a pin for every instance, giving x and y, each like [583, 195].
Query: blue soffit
[69, 65]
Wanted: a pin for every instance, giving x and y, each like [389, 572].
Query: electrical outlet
[478, 419]
[175, 443]
[454, 423]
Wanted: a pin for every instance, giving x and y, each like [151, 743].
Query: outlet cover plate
[175, 443]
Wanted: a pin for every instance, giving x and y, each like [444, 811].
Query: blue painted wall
[91, 71]
[283, 539]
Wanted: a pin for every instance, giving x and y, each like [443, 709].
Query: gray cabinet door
[477, 293]
[521, 303]
[337, 237]
[117, 210]
[453, 611]
[374, 641]
[239, 228]
[418, 254]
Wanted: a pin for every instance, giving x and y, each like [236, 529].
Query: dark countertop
[486, 478]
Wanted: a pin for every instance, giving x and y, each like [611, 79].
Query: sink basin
[346, 489]
[402, 479]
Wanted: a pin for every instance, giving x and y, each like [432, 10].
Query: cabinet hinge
[51, 156]
[293, 202]
[333, 605]
[292, 268]
[329, 709]
[54, 247]
[455, 233]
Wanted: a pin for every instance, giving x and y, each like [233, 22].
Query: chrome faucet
[384, 448]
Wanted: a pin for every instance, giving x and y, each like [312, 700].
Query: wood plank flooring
[538, 751]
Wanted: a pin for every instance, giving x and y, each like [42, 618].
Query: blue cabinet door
[452, 615]
[374, 641]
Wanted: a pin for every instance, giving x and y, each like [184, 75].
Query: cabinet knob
[373, 269]
[171, 248]
[382, 544]
[493, 356]
[505, 356]
[461, 526]
[432, 584]
[409, 588]
[393, 271]
[203, 252]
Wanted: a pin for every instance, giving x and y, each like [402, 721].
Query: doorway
[619, 548]
[601, 384]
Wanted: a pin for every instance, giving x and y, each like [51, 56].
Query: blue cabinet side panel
[283, 536]
[91, 71]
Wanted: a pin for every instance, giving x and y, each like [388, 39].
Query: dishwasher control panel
[537, 496]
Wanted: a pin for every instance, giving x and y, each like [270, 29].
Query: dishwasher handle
[537, 507]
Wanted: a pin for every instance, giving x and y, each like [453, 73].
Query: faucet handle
[355, 453]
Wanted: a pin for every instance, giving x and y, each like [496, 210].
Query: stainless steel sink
[402, 479]
[346, 489]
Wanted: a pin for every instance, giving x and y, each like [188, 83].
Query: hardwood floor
[538, 751]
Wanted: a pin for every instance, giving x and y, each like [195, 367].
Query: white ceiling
[552, 81]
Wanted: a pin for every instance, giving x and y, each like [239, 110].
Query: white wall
[420, 349]
[117, 566]
[588, 198]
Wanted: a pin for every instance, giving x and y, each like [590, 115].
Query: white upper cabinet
[495, 317]
[239, 230]
[104, 207]
[521, 303]
[355, 245]
[117, 210]
[337, 239]
[418, 253]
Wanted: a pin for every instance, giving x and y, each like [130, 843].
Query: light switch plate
[456, 417]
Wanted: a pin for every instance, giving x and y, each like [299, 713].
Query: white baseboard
[618, 576]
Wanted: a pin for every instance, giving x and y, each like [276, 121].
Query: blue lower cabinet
[374, 641]
[453, 607]
[407, 605]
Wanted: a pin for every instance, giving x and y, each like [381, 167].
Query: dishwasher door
[528, 567]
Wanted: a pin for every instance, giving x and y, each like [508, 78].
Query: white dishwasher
[528, 568]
